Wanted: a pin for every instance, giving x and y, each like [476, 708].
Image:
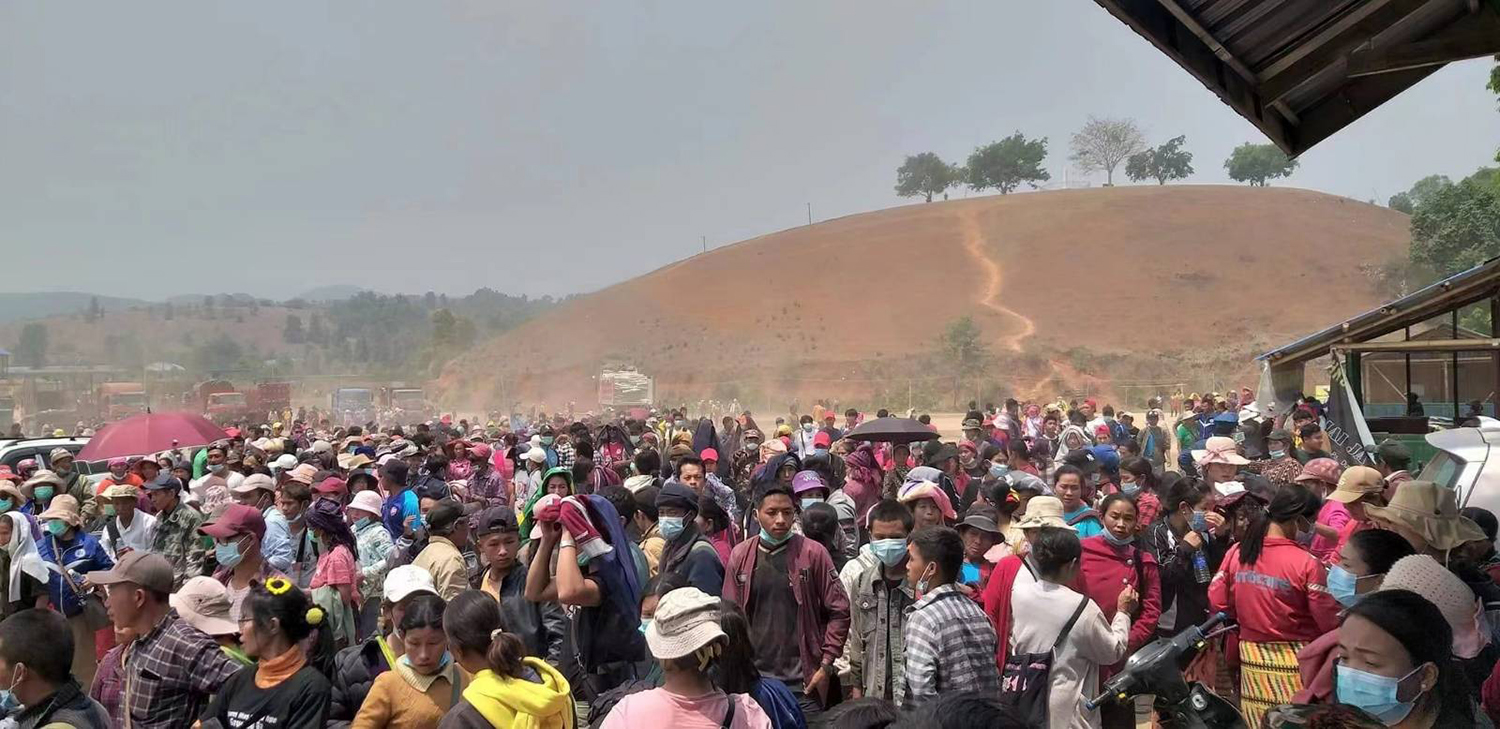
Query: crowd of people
[707, 572]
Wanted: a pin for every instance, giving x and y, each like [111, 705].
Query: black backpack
[1026, 680]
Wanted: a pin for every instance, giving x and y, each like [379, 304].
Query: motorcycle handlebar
[1214, 621]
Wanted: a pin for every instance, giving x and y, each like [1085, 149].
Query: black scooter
[1156, 669]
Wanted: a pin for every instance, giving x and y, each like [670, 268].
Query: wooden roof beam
[1475, 36]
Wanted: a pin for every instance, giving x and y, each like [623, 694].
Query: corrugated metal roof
[1459, 290]
[1301, 70]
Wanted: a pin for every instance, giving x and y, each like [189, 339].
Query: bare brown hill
[1082, 289]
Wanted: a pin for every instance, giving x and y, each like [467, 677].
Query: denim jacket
[877, 650]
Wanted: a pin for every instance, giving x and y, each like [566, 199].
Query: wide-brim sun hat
[686, 620]
[1357, 482]
[1431, 511]
[1219, 449]
[1043, 511]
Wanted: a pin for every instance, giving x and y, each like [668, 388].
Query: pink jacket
[822, 605]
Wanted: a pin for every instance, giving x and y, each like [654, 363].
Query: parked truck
[625, 387]
[120, 400]
[406, 404]
[221, 402]
[352, 405]
[269, 397]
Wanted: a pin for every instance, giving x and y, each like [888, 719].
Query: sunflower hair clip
[278, 585]
[314, 615]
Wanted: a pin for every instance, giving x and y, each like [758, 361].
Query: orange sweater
[394, 703]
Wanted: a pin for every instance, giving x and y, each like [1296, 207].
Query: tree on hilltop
[1102, 144]
[1005, 164]
[1257, 163]
[925, 174]
[1167, 162]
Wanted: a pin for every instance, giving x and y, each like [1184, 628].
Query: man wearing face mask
[804, 439]
[878, 602]
[1280, 466]
[34, 650]
[73, 483]
[238, 534]
[687, 552]
[259, 492]
[126, 528]
[950, 644]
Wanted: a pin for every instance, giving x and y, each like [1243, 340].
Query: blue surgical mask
[1342, 584]
[810, 500]
[670, 526]
[43, 493]
[56, 527]
[546, 440]
[998, 470]
[771, 541]
[227, 555]
[362, 521]
[1130, 489]
[9, 704]
[1372, 692]
[1277, 455]
[890, 552]
[645, 623]
[1110, 537]
[1198, 522]
[7, 505]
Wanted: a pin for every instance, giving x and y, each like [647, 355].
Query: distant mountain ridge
[55, 303]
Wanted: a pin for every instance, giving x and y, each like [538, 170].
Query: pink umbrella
[142, 434]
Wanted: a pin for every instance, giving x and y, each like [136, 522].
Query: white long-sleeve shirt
[137, 536]
[1041, 609]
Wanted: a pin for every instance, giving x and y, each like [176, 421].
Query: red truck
[220, 402]
[268, 397]
[120, 400]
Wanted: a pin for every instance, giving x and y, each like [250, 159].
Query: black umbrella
[892, 430]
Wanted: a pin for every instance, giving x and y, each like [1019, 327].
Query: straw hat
[686, 619]
[1219, 449]
[64, 508]
[204, 604]
[1356, 483]
[1431, 511]
[41, 477]
[121, 491]
[1043, 511]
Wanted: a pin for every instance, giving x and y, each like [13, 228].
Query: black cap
[444, 516]
[394, 470]
[1280, 434]
[495, 519]
[677, 495]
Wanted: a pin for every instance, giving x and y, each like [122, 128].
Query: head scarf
[862, 477]
[24, 557]
[922, 483]
[771, 448]
[327, 516]
[767, 473]
[528, 517]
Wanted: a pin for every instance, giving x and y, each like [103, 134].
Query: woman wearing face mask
[425, 683]
[335, 582]
[238, 532]
[1362, 564]
[809, 488]
[1396, 663]
[282, 685]
[1138, 481]
[21, 564]
[42, 486]
[687, 551]
[72, 553]
[510, 689]
[1111, 563]
[1277, 592]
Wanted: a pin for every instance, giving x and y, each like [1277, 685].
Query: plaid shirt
[178, 540]
[564, 454]
[950, 647]
[170, 674]
[488, 486]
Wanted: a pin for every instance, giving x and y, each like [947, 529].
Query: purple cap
[807, 481]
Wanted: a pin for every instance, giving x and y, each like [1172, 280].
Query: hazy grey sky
[150, 149]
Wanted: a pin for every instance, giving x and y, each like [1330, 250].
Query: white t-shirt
[137, 536]
[1040, 609]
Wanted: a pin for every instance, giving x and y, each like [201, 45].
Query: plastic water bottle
[1200, 567]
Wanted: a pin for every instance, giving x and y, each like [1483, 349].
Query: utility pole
[809, 213]
[705, 243]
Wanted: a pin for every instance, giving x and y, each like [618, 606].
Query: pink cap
[709, 454]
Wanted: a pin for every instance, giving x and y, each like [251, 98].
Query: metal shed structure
[1301, 70]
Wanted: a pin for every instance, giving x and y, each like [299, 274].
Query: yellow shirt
[446, 564]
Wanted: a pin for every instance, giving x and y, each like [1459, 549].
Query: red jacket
[1103, 572]
[1282, 597]
[822, 605]
[996, 600]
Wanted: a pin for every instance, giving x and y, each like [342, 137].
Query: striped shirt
[950, 647]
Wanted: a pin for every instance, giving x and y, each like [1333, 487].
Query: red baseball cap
[237, 519]
[709, 454]
[331, 486]
[822, 439]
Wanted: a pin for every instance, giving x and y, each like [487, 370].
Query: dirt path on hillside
[974, 244]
